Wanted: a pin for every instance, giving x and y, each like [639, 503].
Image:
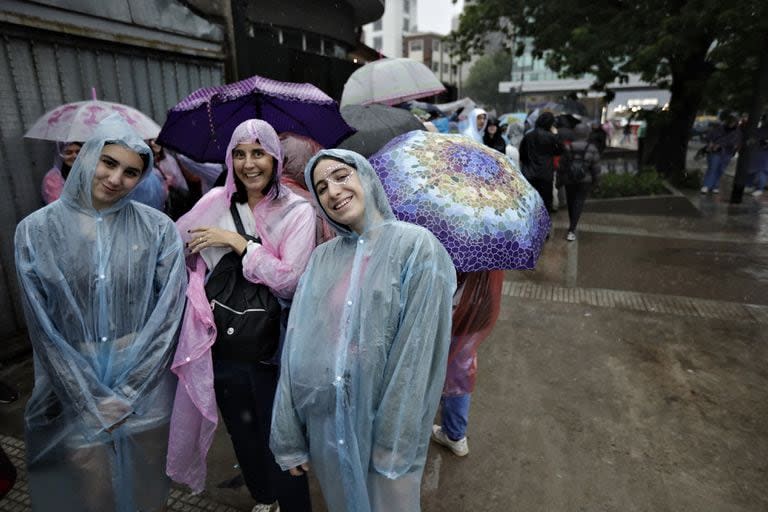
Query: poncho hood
[471, 129]
[377, 207]
[249, 132]
[78, 188]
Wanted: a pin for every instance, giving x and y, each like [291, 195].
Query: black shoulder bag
[247, 315]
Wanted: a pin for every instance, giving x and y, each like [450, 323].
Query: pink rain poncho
[365, 357]
[286, 226]
[103, 295]
[473, 319]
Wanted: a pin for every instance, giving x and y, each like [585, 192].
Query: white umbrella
[390, 81]
[76, 121]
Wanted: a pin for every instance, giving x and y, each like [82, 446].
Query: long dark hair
[241, 194]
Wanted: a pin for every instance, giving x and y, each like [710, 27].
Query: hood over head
[545, 121]
[581, 131]
[78, 188]
[249, 132]
[377, 207]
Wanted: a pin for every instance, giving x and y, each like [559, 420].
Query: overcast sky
[435, 15]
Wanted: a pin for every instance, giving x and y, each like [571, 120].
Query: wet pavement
[626, 373]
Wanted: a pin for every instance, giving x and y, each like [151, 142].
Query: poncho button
[102, 276]
[230, 331]
[103, 338]
[361, 241]
[349, 303]
[341, 441]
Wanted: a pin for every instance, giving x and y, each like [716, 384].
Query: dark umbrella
[201, 125]
[376, 125]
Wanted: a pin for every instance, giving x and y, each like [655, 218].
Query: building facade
[386, 33]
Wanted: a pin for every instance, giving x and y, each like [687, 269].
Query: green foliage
[646, 183]
[694, 48]
[485, 74]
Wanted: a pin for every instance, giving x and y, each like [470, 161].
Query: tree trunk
[759, 100]
[688, 79]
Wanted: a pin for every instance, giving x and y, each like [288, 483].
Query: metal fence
[41, 70]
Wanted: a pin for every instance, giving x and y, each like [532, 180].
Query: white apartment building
[386, 34]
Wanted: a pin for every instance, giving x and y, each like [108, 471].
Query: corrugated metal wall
[42, 71]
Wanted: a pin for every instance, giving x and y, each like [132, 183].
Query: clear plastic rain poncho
[365, 357]
[470, 129]
[103, 295]
[285, 223]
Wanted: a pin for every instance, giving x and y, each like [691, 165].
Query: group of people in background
[549, 159]
[722, 142]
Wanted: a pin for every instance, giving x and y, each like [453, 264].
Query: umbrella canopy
[471, 197]
[376, 125]
[201, 125]
[390, 81]
[76, 121]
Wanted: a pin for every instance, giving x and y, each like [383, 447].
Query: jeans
[455, 414]
[544, 188]
[576, 195]
[758, 176]
[245, 393]
[716, 164]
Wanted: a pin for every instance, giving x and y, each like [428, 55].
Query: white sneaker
[757, 193]
[459, 448]
[704, 190]
[571, 236]
[263, 507]
[715, 190]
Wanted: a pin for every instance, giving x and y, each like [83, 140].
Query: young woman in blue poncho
[103, 281]
[365, 354]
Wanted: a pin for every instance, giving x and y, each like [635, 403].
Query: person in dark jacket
[492, 136]
[578, 171]
[537, 151]
[723, 142]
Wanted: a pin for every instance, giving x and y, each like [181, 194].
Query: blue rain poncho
[103, 295]
[365, 357]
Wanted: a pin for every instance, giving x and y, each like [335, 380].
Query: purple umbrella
[201, 125]
[471, 197]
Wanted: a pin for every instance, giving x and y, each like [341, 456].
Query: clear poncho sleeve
[280, 265]
[98, 405]
[416, 364]
[287, 439]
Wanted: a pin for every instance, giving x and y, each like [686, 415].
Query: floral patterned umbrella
[471, 197]
[76, 121]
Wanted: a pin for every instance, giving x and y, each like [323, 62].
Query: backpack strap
[239, 223]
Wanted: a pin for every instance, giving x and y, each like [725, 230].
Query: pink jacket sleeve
[281, 259]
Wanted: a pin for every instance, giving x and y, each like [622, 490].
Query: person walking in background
[758, 177]
[53, 181]
[102, 280]
[515, 134]
[367, 344]
[722, 142]
[492, 136]
[578, 172]
[538, 149]
[241, 378]
[478, 301]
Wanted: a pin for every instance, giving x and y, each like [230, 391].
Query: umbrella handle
[93, 93]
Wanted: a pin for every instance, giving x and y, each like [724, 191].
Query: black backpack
[247, 315]
[573, 166]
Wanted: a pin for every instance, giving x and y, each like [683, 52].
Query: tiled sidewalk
[17, 499]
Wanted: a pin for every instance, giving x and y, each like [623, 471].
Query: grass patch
[645, 183]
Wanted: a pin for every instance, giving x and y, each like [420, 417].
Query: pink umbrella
[76, 121]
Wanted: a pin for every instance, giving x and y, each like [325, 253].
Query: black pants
[576, 195]
[245, 393]
[544, 188]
